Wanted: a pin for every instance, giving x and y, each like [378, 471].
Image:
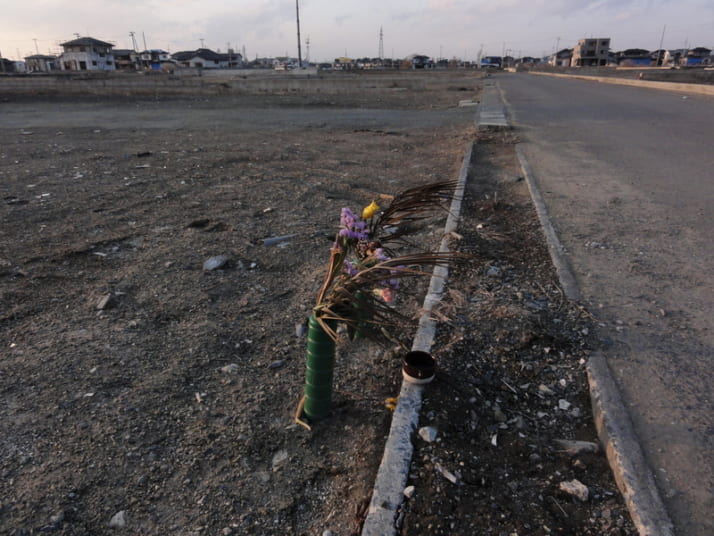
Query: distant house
[155, 59]
[658, 57]
[634, 57]
[492, 62]
[6, 66]
[204, 58]
[125, 59]
[41, 63]
[344, 64]
[591, 52]
[695, 57]
[562, 58]
[87, 54]
[420, 61]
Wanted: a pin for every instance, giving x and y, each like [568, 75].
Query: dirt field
[138, 389]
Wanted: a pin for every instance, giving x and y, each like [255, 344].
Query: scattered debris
[280, 458]
[575, 448]
[575, 488]
[118, 520]
[215, 263]
[428, 433]
[105, 302]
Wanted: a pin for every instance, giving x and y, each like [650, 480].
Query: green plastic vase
[320, 368]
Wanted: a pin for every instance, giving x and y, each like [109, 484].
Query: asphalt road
[627, 175]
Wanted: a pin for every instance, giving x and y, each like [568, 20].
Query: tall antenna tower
[381, 44]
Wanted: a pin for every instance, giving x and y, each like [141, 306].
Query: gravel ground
[140, 390]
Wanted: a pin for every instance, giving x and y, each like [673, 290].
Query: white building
[87, 54]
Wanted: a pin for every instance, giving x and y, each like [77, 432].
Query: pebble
[300, 330]
[233, 368]
[563, 404]
[328, 533]
[105, 302]
[494, 271]
[118, 520]
[280, 458]
[409, 492]
[575, 448]
[545, 390]
[57, 518]
[214, 263]
[575, 488]
[428, 433]
[277, 364]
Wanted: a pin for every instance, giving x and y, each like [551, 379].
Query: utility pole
[297, 13]
[381, 44]
[307, 50]
[659, 53]
[133, 41]
[143, 36]
[37, 50]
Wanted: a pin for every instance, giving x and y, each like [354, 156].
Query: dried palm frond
[409, 208]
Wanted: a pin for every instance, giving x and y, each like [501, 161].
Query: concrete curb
[632, 474]
[491, 111]
[614, 426]
[387, 495]
[555, 248]
[692, 89]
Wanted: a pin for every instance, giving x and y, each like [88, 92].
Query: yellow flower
[369, 210]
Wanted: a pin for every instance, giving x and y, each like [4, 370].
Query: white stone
[118, 521]
[280, 458]
[563, 404]
[576, 489]
[428, 433]
[409, 492]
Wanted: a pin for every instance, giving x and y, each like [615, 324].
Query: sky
[334, 28]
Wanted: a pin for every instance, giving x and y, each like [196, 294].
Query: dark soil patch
[511, 381]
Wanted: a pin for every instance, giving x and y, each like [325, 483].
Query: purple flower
[350, 269]
[352, 227]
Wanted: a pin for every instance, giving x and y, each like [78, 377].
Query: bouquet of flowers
[364, 272]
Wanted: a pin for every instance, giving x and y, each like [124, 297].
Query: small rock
[300, 330]
[494, 271]
[227, 531]
[214, 263]
[57, 518]
[328, 533]
[499, 415]
[277, 364]
[428, 433]
[545, 390]
[563, 404]
[233, 368]
[575, 448]
[576, 489]
[105, 302]
[280, 458]
[118, 521]
[409, 492]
